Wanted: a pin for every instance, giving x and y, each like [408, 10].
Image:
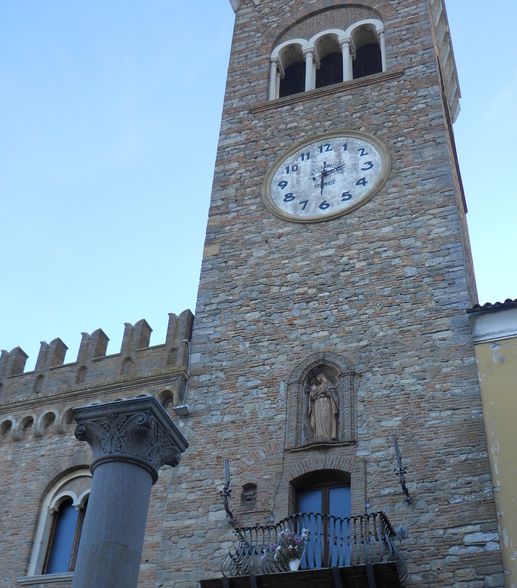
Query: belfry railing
[331, 542]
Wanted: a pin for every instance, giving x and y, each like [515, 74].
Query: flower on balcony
[290, 546]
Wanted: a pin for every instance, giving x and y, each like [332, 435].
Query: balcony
[355, 552]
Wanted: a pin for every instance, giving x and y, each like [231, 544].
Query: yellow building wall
[497, 366]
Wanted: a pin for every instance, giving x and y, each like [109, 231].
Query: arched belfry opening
[293, 78]
[330, 55]
[367, 51]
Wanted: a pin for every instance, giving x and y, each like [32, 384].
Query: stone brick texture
[36, 430]
[385, 287]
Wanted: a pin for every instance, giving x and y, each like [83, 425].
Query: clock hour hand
[337, 168]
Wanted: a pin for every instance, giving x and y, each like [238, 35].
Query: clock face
[326, 177]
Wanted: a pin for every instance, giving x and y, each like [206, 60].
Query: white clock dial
[326, 177]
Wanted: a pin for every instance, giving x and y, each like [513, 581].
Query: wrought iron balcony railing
[333, 542]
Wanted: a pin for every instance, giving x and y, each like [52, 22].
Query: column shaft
[113, 532]
[310, 71]
[348, 73]
[273, 77]
[382, 44]
[130, 441]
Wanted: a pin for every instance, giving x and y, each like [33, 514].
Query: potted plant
[288, 550]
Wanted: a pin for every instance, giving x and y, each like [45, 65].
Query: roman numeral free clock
[326, 176]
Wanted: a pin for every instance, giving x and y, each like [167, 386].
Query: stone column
[273, 80]
[310, 70]
[347, 60]
[130, 441]
[382, 45]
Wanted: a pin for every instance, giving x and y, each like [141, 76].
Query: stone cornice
[64, 578]
[327, 91]
[93, 391]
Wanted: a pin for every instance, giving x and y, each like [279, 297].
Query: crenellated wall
[41, 400]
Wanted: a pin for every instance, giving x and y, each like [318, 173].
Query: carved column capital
[345, 42]
[135, 431]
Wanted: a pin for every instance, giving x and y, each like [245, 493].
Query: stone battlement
[93, 368]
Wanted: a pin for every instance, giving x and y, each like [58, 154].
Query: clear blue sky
[109, 124]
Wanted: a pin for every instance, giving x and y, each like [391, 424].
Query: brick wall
[385, 287]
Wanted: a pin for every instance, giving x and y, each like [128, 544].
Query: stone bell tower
[330, 334]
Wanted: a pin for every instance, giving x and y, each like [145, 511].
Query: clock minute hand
[324, 174]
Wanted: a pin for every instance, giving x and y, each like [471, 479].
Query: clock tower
[332, 361]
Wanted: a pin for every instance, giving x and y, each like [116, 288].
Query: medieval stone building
[330, 366]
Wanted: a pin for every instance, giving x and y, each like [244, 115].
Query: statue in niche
[323, 408]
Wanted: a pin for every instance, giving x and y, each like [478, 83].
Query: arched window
[368, 55]
[60, 524]
[322, 500]
[67, 522]
[293, 80]
[330, 55]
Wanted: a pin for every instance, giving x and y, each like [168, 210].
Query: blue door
[323, 512]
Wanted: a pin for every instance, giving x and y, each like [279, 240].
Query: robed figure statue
[323, 409]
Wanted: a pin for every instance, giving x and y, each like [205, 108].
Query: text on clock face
[326, 177]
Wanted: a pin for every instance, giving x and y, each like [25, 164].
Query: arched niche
[249, 496]
[321, 402]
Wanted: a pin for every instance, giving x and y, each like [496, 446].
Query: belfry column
[130, 441]
[382, 44]
[273, 80]
[310, 69]
[347, 60]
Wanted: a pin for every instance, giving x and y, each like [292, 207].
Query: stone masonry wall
[385, 287]
[36, 431]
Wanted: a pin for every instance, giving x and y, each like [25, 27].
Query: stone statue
[323, 411]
